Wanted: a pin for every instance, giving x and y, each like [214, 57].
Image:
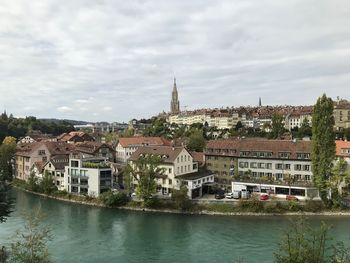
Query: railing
[95, 165]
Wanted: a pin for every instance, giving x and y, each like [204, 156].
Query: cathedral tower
[175, 104]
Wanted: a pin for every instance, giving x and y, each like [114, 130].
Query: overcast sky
[115, 60]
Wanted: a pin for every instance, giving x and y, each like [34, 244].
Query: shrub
[252, 205]
[313, 206]
[181, 199]
[152, 202]
[114, 198]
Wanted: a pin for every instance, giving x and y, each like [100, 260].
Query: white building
[87, 176]
[179, 169]
[56, 167]
[127, 146]
[220, 121]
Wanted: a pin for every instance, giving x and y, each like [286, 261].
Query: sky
[116, 60]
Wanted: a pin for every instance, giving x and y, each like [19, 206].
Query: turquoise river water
[90, 234]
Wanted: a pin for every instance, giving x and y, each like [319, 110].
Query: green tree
[277, 126]
[323, 144]
[30, 242]
[305, 129]
[196, 141]
[46, 184]
[181, 199]
[32, 183]
[303, 243]
[340, 176]
[145, 171]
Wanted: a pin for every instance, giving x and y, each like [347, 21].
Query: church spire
[260, 102]
[175, 104]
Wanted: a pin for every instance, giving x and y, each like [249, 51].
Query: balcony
[100, 165]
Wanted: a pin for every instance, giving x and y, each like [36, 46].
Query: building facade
[284, 167]
[179, 169]
[87, 176]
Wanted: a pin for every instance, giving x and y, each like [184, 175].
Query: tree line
[19, 127]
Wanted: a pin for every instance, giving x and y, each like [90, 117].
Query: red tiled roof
[198, 156]
[235, 146]
[340, 145]
[125, 142]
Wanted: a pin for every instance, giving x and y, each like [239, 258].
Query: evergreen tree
[323, 144]
[277, 126]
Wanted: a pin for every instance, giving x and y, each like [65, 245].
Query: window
[170, 181]
[253, 165]
[177, 159]
[178, 170]
[74, 163]
[41, 152]
[261, 174]
[182, 170]
[261, 165]
[279, 166]
[185, 158]
[287, 166]
[284, 155]
[268, 166]
[297, 167]
[306, 167]
[279, 176]
[182, 158]
[255, 174]
[170, 170]
[307, 177]
[189, 167]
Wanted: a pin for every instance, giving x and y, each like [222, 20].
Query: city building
[277, 166]
[341, 114]
[27, 154]
[96, 149]
[87, 175]
[179, 169]
[126, 146]
[56, 167]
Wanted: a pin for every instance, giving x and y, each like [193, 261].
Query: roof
[233, 147]
[39, 166]
[168, 153]
[69, 136]
[59, 162]
[139, 141]
[91, 147]
[198, 156]
[55, 148]
[340, 146]
[195, 176]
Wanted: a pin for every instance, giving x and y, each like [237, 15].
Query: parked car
[264, 197]
[229, 195]
[245, 194]
[236, 194]
[292, 198]
[220, 195]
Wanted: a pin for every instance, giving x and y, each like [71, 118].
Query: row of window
[279, 176]
[283, 155]
[278, 166]
[183, 158]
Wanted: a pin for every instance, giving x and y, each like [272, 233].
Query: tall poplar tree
[323, 144]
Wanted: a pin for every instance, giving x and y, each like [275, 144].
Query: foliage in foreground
[29, 244]
[304, 244]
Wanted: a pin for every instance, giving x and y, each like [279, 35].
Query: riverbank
[264, 209]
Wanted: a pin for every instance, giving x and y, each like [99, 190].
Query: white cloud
[64, 109]
[88, 54]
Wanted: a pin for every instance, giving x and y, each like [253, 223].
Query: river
[92, 234]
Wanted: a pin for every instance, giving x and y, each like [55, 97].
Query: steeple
[175, 104]
[260, 102]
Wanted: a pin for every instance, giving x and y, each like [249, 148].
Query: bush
[152, 202]
[113, 199]
[181, 199]
[313, 206]
[252, 205]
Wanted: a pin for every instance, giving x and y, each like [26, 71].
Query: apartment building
[278, 166]
[96, 149]
[127, 146]
[87, 175]
[56, 167]
[28, 154]
[179, 169]
[341, 114]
